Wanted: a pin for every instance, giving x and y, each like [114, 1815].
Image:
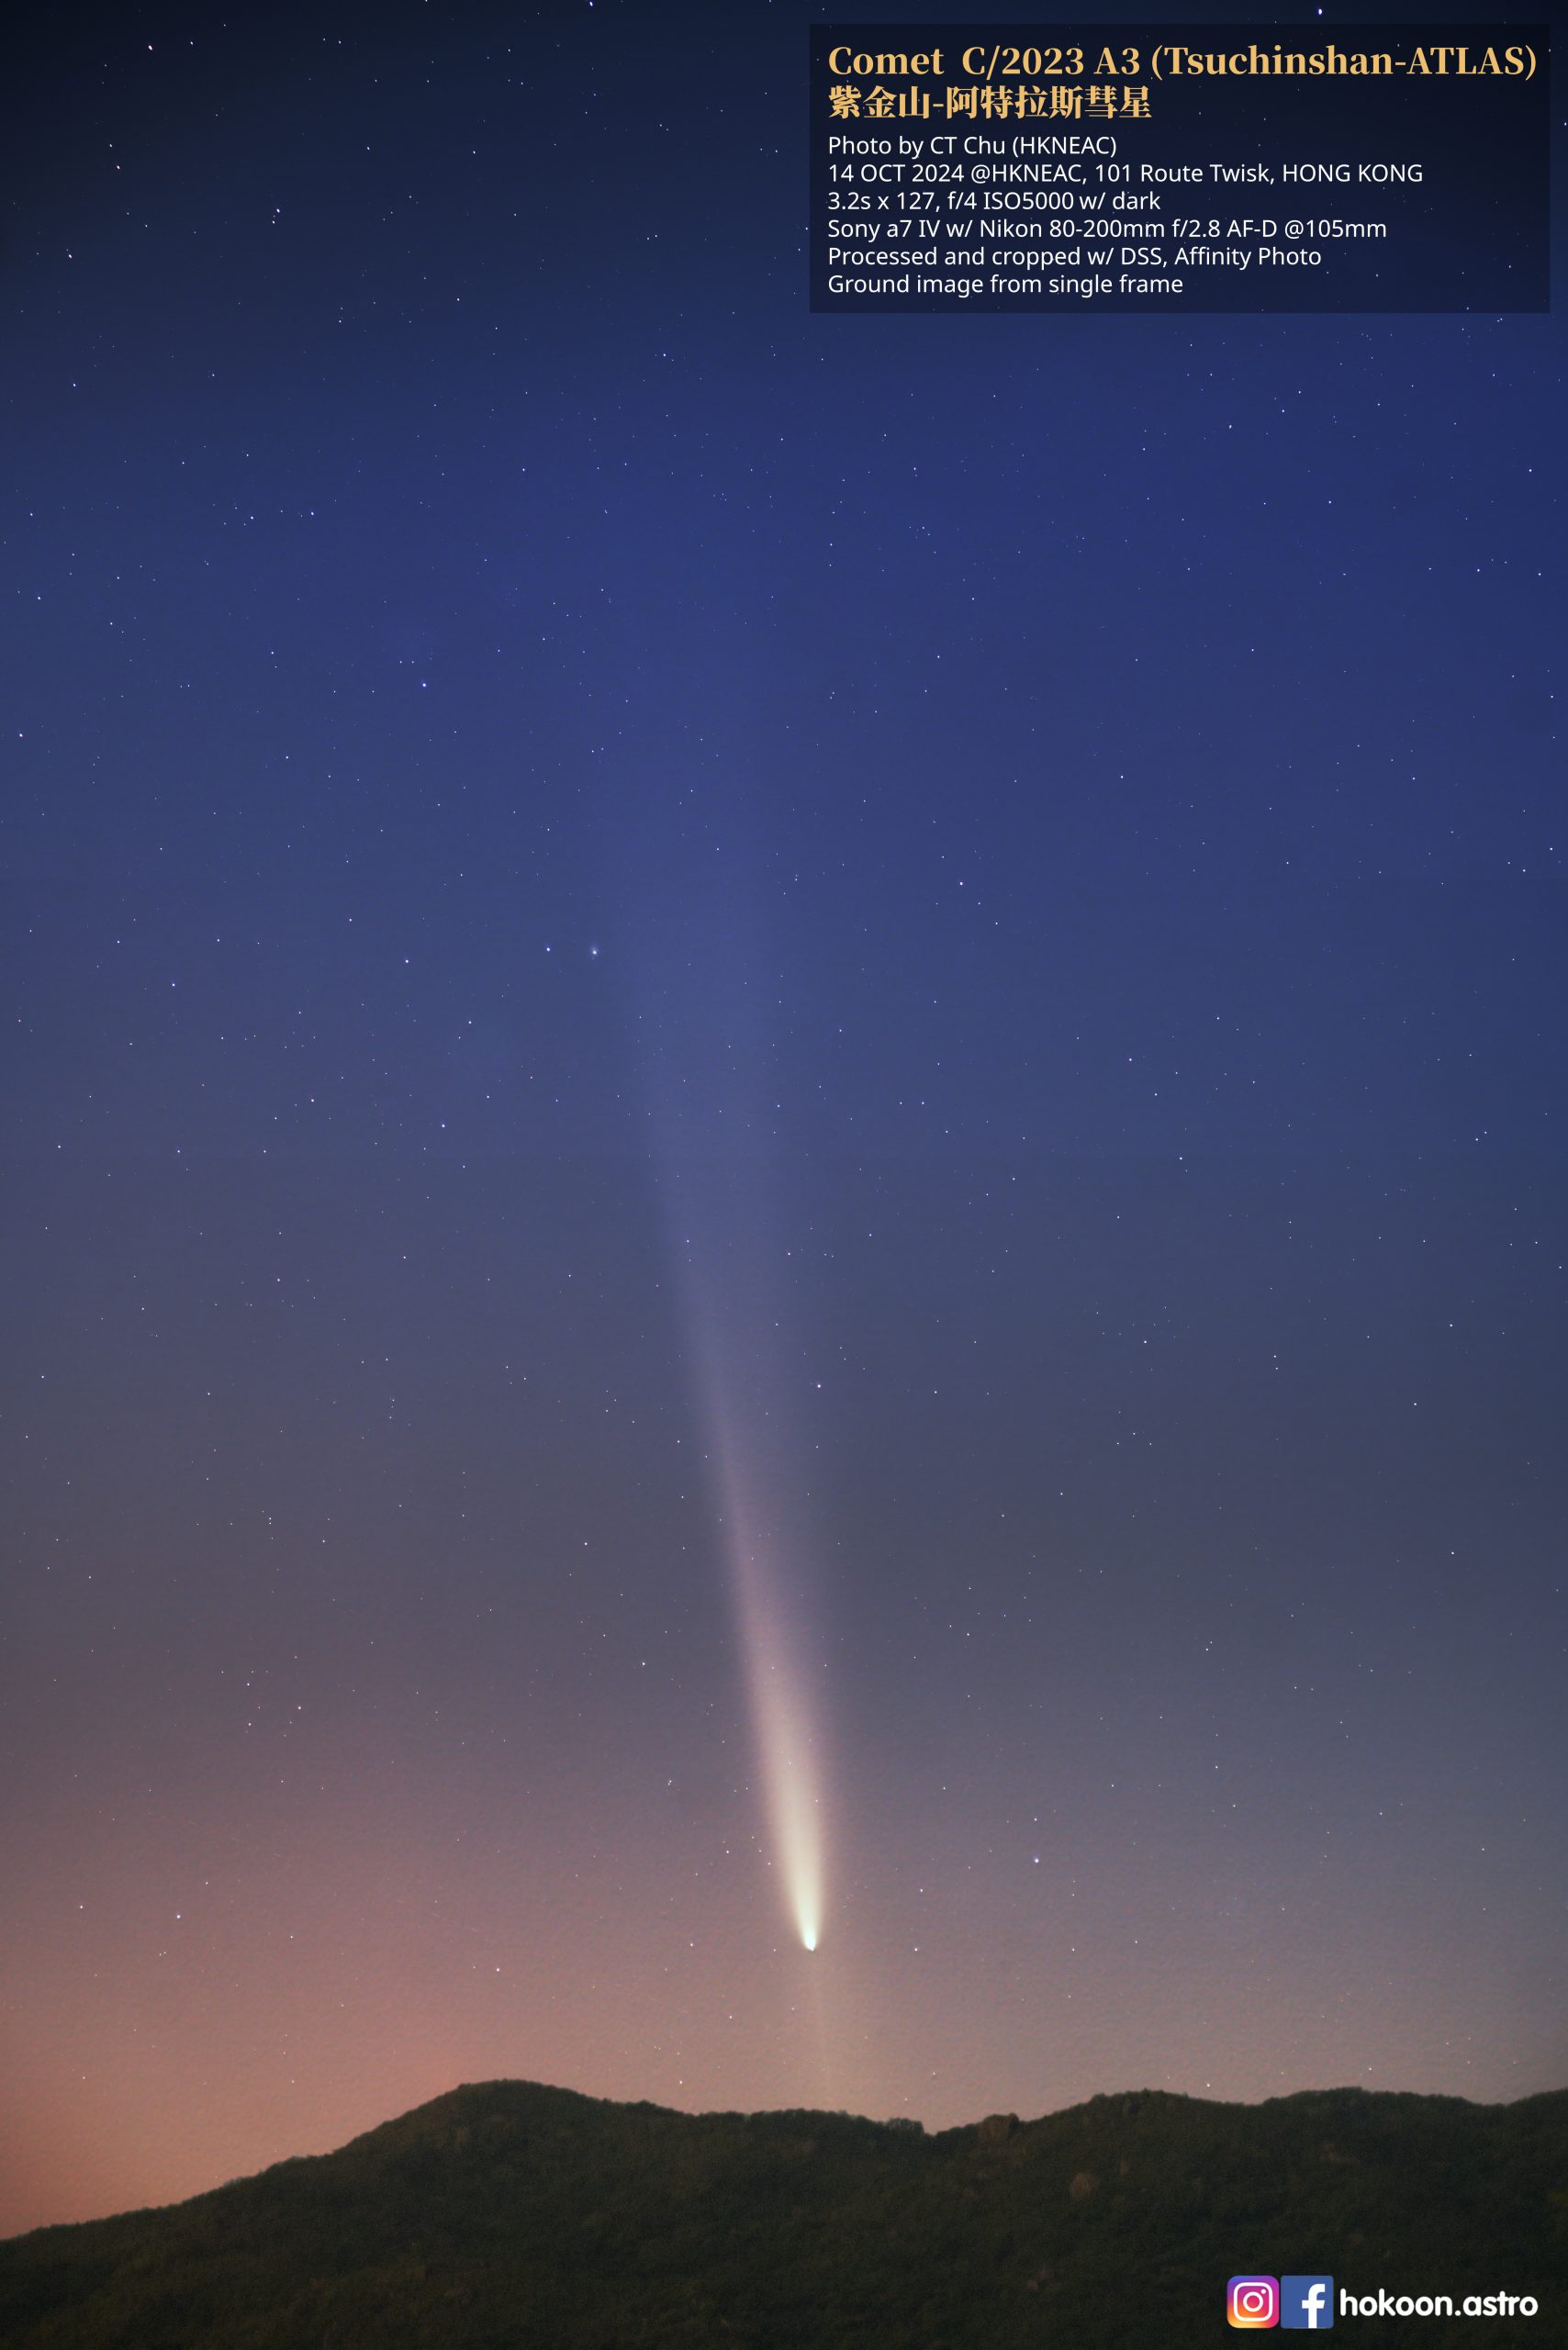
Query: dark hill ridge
[507, 2216]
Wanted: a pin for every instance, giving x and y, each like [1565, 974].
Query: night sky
[786, 1132]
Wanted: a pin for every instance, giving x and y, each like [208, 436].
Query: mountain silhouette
[507, 2215]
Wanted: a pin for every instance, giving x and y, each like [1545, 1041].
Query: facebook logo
[1307, 2301]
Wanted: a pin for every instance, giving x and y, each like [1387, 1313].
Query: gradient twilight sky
[643, 928]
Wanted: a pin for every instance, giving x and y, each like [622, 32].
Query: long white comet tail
[713, 1114]
[741, 1393]
[783, 1718]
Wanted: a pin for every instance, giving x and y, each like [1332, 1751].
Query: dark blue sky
[606, 876]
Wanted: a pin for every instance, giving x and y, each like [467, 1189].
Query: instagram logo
[1252, 2300]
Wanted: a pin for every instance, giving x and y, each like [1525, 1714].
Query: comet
[760, 1552]
[759, 1463]
[706, 1056]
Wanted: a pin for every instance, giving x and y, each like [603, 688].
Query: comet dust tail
[781, 1713]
